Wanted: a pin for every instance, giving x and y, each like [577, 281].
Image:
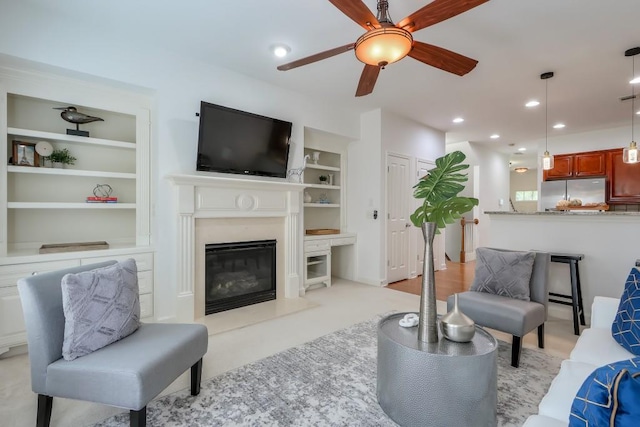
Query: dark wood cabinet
[562, 168]
[589, 164]
[623, 180]
[579, 165]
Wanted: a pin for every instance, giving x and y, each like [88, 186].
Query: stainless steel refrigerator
[587, 190]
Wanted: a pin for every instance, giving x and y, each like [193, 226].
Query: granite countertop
[564, 213]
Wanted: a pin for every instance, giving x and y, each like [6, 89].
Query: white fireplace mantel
[206, 196]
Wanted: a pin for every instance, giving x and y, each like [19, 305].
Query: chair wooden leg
[138, 418]
[541, 336]
[45, 405]
[516, 347]
[196, 377]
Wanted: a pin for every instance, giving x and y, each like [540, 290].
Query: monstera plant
[439, 189]
[441, 205]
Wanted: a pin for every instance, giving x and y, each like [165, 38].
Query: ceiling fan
[386, 42]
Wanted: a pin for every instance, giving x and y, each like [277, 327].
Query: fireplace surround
[242, 208]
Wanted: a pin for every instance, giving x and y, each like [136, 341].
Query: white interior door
[398, 223]
[439, 257]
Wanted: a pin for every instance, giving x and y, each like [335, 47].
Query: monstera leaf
[439, 189]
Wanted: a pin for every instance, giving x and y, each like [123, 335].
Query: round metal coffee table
[438, 384]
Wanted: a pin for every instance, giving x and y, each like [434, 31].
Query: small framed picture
[24, 154]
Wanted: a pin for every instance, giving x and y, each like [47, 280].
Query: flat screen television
[233, 141]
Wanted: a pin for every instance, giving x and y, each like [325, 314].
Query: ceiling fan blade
[317, 57]
[367, 80]
[442, 58]
[437, 11]
[357, 11]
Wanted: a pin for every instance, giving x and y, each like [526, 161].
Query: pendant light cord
[546, 115]
[633, 95]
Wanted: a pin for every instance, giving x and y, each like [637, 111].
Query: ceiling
[582, 41]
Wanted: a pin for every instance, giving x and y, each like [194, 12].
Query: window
[527, 196]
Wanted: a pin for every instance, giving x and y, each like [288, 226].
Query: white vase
[58, 165]
[307, 197]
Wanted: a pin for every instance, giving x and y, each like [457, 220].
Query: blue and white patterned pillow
[626, 326]
[609, 397]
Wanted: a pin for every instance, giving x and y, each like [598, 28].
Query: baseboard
[371, 282]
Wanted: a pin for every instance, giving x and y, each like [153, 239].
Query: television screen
[234, 141]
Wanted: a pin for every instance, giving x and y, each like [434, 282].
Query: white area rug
[330, 381]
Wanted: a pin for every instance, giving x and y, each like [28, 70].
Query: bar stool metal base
[575, 299]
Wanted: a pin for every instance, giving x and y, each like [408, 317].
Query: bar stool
[575, 299]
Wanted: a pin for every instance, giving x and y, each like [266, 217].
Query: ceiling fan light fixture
[383, 46]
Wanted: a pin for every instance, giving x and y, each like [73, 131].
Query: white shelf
[322, 186]
[58, 205]
[315, 262]
[322, 167]
[27, 133]
[321, 205]
[71, 172]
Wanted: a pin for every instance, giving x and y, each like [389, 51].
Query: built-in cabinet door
[590, 164]
[562, 168]
[623, 180]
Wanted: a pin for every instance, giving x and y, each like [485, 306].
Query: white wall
[382, 132]
[365, 187]
[602, 139]
[178, 85]
[524, 181]
[415, 141]
[492, 183]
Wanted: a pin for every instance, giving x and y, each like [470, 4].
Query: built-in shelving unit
[326, 209]
[42, 205]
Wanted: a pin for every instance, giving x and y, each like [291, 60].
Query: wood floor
[456, 278]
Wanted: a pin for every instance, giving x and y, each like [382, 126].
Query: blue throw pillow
[610, 396]
[626, 326]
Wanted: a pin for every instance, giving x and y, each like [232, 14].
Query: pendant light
[547, 159]
[630, 153]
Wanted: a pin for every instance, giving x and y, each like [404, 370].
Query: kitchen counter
[565, 213]
[610, 242]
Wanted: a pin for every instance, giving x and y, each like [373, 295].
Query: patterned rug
[330, 381]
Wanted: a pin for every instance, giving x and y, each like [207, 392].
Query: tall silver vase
[428, 324]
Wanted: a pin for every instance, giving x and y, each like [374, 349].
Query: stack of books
[94, 199]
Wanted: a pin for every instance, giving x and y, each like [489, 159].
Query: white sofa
[594, 348]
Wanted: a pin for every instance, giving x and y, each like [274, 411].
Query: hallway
[456, 278]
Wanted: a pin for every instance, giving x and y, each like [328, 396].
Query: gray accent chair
[513, 316]
[127, 374]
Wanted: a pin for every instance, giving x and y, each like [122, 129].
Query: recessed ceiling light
[532, 103]
[638, 112]
[280, 50]
[522, 149]
[458, 120]
[494, 136]
[558, 125]
[635, 81]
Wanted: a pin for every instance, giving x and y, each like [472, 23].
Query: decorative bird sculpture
[72, 115]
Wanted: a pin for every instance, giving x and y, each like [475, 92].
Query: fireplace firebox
[239, 274]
